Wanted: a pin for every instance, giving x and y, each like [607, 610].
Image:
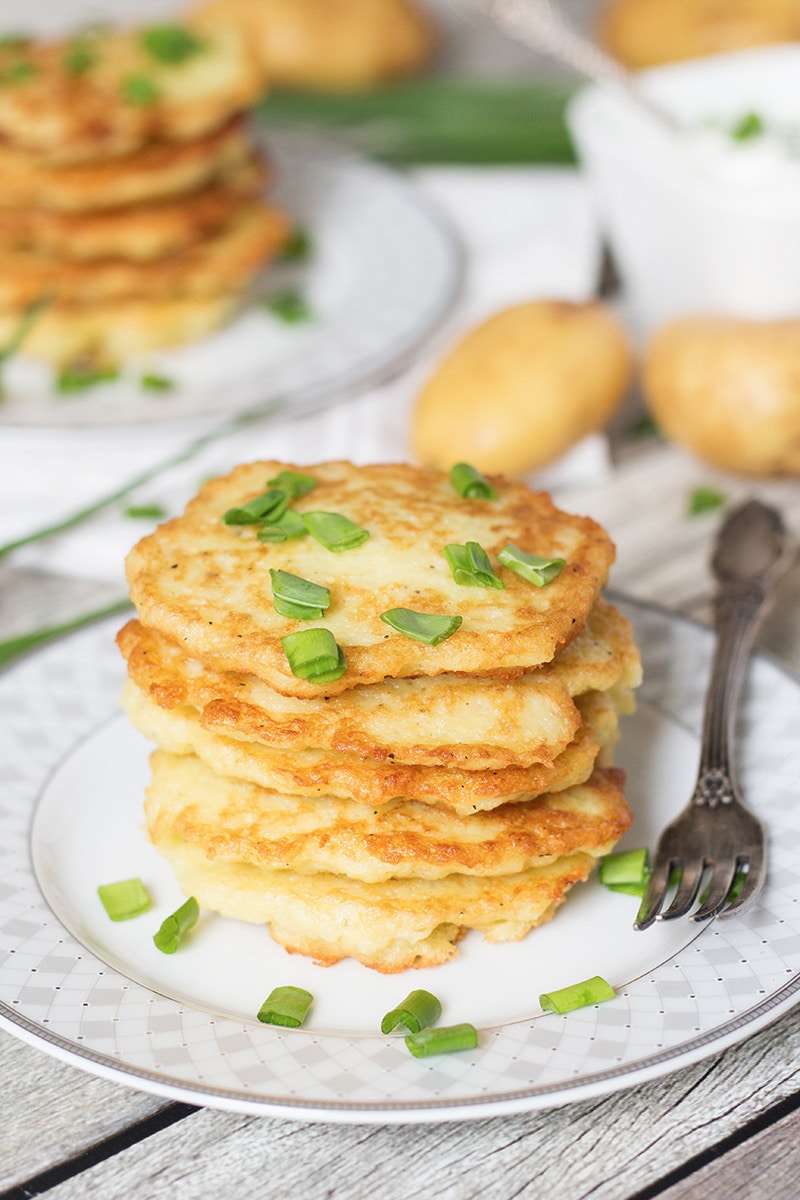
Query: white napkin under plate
[528, 233]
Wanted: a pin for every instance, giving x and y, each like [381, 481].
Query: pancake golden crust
[159, 171]
[389, 926]
[141, 233]
[224, 263]
[234, 821]
[206, 585]
[438, 720]
[370, 782]
[127, 97]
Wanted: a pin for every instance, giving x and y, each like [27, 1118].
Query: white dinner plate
[383, 271]
[100, 996]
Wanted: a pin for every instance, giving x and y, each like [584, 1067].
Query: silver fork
[716, 839]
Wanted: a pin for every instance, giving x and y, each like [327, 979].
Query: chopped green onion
[749, 126]
[299, 598]
[313, 654]
[18, 72]
[15, 41]
[470, 484]
[418, 1010]
[429, 628]
[624, 867]
[141, 91]
[171, 44]
[294, 483]
[286, 1006]
[79, 57]
[298, 248]
[288, 526]
[145, 512]
[29, 317]
[333, 531]
[531, 567]
[443, 1040]
[175, 927]
[644, 427]
[578, 995]
[290, 307]
[471, 567]
[123, 900]
[81, 376]
[156, 383]
[269, 506]
[704, 500]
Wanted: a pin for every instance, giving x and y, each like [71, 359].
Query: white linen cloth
[528, 233]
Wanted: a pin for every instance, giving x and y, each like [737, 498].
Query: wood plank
[606, 1149]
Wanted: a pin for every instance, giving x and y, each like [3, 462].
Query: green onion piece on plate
[470, 484]
[313, 654]
[298, 249]
[626, 866]
[578, 995]
[443, 1040]
[296, 597]
[429, 628]
[80, 376]
[704, 500]
[749, 126]
[290, 307]
[334, 532]
[125, 899]
[294, 483]
[269, 506]
[289, 526]
[531, 567]
[471, 566]
[418, 1010]
[286, 1006]
[175, 927]
[156, 383]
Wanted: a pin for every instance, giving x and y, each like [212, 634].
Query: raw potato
[522, 388]
[643, 33]
[728, 390]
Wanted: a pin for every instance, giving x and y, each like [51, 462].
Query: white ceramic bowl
[693, 229]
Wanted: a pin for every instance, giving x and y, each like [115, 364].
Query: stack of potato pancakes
[419, 790]
[131, 196]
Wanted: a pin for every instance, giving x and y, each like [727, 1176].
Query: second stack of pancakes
[131, 192]
[429, 789]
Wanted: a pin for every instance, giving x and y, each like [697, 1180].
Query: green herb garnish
[313, 654]
[471, 567]
[703, 500]
[429, 628]
[145, 512]
[286, 1006]
[626, 871]
[79, 57]
[80, 376]
[749, 126]
[140, 91]
[578, 995]
[175, 927]
[470, 484]
[298, 598]
[298, 248]
[443, 1040]
[644, 427]
[287, 527]
[294, 483]
[290, 307]
[418, 1010]
[18, 72]
[531, 567]
[171, 44]
[26, 322]
[123, 900]
[156, 383]
[333, 531]
[269, 506]
[15, 41]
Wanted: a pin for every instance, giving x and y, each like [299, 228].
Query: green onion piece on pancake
[430, 628]
[298, 598]
[531, 567]
[333, 531]
[288, 526]
[470, 484]
[294, 483]
[313, 654]
[269, 506]
[471, 566]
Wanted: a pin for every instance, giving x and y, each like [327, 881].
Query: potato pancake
[206, 584]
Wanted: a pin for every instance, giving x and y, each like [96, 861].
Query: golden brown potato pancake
[206, 585]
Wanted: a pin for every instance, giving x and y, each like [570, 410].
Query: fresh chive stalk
[28, 319]
[430, 628]
[298, 598]
[294, 483]
[145, 512]
[578, 995]
[471, 566]
[288, 526]
[442, 1040]
[314, 654]
[417, 1011]
[531, 567]
[123, 900]
[14, 647]
[333, 531]
[286, 1006]
[175, 927]
[470, 484]
[704, 500]
[269, 506]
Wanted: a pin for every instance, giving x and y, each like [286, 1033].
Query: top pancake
[207, 586]
[126, 94]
